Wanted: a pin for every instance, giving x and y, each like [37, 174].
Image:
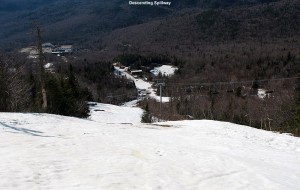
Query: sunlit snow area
[164, 70]
[113, 150]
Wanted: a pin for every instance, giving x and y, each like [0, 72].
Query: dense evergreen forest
[68, 90]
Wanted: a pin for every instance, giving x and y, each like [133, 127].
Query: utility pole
[41, 71]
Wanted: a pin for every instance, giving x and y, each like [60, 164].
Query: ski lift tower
[160, 83]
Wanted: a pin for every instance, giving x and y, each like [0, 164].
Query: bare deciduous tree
[14, 90]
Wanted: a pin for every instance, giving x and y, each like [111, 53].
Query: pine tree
[146, 118]
[294, 124]
[4, 96]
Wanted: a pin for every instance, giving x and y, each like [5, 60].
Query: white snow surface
[43, 151]
[166, 70]
[48, 65]
[261, 93]
[107, 113]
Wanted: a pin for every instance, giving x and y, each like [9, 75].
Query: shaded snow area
[140, 84]
[42, 151]
[165, 70]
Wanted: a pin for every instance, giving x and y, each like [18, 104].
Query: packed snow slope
[111, 114]
[42, 151]
[141, 84]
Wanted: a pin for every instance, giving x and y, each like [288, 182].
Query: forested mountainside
[227, 57]
[87, 19]
[17, 5]
[189, 32]
[22, 5]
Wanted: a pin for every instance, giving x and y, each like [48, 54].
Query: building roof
[66, 46]
[47, 44]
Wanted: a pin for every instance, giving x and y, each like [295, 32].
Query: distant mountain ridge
[87, 19]
[22, 5]
[18, 5]
[186, 32]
